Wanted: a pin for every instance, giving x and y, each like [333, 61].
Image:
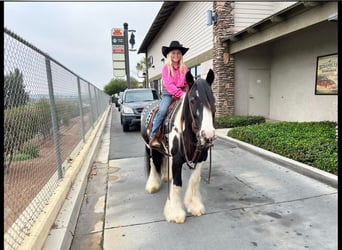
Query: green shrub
[21, 157]
[66, 109]
[312, 143]
[237, 121]
[18, 127]
[31, 150]
[42, 117]
[27, 152]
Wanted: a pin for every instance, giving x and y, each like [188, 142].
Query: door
[259, 92]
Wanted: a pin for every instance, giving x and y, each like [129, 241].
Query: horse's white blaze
[207, 124]
[153, 183]
[192, 198]
[173, 210]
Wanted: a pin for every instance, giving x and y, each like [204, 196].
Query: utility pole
[127, 55]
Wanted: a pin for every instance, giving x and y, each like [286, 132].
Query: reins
[199, 148]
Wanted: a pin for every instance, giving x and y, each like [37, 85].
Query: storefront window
[196, 71]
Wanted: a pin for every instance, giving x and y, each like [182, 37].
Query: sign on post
[118, 52]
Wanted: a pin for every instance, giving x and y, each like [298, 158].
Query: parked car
[119, 100]
[132, 104]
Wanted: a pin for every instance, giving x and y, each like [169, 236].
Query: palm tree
[141, 68]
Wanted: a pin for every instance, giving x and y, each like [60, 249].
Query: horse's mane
[208, 101]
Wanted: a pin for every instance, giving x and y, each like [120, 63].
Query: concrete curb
[62, 231]
[314, 173]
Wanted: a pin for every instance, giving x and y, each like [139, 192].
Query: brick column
[223, 63]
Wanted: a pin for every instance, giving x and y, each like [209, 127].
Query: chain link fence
[48, 113]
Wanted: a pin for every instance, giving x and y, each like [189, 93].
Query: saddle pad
[164, 127]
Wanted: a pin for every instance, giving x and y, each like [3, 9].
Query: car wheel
[125, 127]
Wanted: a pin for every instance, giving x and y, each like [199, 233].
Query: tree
[141, 68]
[115, 86]
[118, 85]
[134, 83]
[15, 94]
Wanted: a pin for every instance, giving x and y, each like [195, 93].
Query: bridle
[201, 144]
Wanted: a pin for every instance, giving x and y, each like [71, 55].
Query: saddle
[165, 126]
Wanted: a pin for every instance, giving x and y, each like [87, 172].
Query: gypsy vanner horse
[188, 134]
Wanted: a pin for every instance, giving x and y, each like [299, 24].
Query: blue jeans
[163, 107]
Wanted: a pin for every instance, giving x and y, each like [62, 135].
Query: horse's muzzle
[207, 137]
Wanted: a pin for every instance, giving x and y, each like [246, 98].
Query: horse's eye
[192, 99]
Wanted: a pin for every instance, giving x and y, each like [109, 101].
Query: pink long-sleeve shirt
[176, 84]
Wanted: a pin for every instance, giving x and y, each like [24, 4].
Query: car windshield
[140, 96]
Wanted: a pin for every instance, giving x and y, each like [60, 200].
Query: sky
[78, 34]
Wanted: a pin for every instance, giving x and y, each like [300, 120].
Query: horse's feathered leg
[154, 161]
[192, 198]
[153, 183]
[173, 210]
[166, 174]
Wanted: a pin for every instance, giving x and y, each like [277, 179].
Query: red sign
[118, 50]
[117, 32]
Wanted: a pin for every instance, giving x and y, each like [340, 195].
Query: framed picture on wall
[326, 75]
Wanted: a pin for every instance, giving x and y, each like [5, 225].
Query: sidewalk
[296, 166]
[115, 203]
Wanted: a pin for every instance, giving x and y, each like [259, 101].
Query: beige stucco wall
[293, 75]
[292, 65]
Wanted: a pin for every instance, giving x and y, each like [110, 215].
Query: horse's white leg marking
[153, 183]
[166, 177]
[173, 210]
[192, 198]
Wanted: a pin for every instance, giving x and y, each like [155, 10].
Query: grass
[312, 143]
[28, 152]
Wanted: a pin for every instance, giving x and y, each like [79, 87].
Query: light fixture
[211, 17]
[150, 61]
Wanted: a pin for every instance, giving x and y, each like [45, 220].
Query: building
[267, 56]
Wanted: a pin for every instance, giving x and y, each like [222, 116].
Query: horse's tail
[147, 160]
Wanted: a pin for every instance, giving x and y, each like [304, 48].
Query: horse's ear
[210, 76]
[189, 78]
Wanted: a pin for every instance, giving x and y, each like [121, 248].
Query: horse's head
[199, 108]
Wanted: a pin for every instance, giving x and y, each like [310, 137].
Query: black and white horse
[190, 135]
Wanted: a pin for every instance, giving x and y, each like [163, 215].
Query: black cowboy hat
[174, 45]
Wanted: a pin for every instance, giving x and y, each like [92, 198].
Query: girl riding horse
[190, 136]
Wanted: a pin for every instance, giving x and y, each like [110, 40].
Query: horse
[189, 134]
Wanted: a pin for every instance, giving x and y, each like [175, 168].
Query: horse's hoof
[152, 190]
[174, 213]
[196, 209]
[179, 220]
[197, 213]
[165, 179]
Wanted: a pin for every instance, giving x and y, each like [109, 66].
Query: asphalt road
[251, 203]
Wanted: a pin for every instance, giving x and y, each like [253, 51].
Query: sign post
[128, 76]
[118, 52]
